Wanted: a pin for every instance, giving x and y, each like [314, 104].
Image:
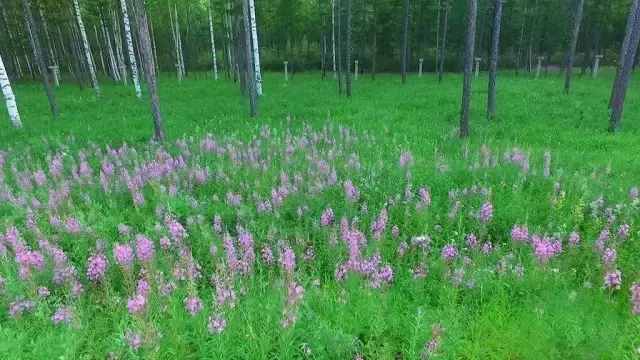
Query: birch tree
[405, 40]
[571, 51]
[146, 53]
[34, 39]
[249, 68]
[625, 66]
[469, 48]
[333, 37]
[255, 47]
[9, 98]
[348, 50]
[213, 45]
[87, 48]
[443, 45]
[493, 63]
[132, 56]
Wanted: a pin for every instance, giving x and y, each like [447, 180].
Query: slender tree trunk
[9, 98]
[374, 48]
[132, 57]
[443, 46]
[340, 46]
[147, 58]
[122, 67]
[39, 58]
[174, 35]
[349, 49]
[183, 68]
[213, 45]
[87, 48]
[521, 41]
[624, 49]
[405, 40]
[100, 52]
[155, 50]
[255, 47]
[333, 37]
[113, 65]
[469, 48]
[45, 29]
[438, 23]
[250, 67]
[493, 64]
[11, 49]
[571, 51]
[625, 67]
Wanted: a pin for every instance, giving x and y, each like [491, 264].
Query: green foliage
[545, 315]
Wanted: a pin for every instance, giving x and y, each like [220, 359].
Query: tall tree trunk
[374, 48]
[621, 84]
[147, 58]
[113, 65]
[101, 53]
[521, 40]
[12, 53]
[122, 67]
[443, 46]
[250, 67]
[213, 45]
[493, 64]
[39, 58]
[469, 48]
[624, 49]
[45, 29]
[333, 37]
[255, 47]
[183, 68]
[438, 23]
[340, 46]
[405, 40]
[9, 98]
[132, 57]
[87, 48]
[571, 51]
[349, 49]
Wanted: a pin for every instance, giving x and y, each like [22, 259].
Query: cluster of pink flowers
[193, 305]
[96, 267]
[635, 298]
[545, 248]
[327, 218]
[380, 224]
[520, 233]
[449, 252]
[486, 212]
[123, 254]
[351, 192]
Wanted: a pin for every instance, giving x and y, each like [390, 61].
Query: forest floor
[409, 242]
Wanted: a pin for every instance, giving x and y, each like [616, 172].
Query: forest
[319, 179]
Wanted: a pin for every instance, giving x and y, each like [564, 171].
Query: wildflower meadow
[322, 230]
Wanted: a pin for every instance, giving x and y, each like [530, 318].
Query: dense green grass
[554, 311]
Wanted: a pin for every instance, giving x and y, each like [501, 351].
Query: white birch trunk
[255, 46]
[213, 45]
[132, 56]
[87, 49]
[10, 99]
[101, 53]
[333, 36]
[122, 68]
[45, 28]
[179, 37]
[110, 55]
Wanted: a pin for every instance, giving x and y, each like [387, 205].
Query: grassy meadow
[326, 228]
